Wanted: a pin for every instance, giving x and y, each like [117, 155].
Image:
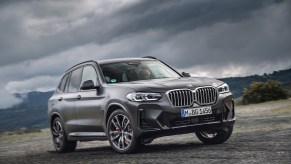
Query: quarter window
[63, 83]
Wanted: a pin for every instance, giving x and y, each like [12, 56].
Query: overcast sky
[40, 39]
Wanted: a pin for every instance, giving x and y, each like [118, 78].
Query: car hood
[163, 85]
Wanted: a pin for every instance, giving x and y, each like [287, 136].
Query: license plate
[189, 112]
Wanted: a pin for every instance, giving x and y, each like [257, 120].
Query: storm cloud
[41, 39]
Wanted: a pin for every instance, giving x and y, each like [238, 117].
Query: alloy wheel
[120, 132]
[58, 136]
[207, 134]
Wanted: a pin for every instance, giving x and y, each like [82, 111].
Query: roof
[122, 60]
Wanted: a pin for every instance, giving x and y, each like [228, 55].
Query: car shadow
[147, 149]
[171, 147]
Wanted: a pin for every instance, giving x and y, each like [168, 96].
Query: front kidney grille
[186, 97]
[181, 97]
[205, 96]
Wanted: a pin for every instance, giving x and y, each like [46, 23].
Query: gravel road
[262, 134]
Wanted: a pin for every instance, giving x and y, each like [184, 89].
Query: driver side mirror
[185, 74]
[88, 84]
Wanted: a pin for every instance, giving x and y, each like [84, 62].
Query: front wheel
[120, 133]
[215, 137]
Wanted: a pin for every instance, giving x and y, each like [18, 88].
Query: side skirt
[87, 136]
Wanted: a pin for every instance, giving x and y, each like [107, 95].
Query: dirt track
[262, 135]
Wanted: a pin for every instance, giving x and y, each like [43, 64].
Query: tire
[61, 144]
[121, 136]
[215, 137]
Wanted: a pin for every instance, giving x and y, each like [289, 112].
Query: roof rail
[150, 57]
[80, 64]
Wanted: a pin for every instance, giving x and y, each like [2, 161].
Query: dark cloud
[241, 32]
[177, 16]
[39, 28]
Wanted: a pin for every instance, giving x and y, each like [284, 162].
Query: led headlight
[224, 88]
[140, 96]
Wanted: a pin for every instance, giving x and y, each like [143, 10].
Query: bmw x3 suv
[132, 101]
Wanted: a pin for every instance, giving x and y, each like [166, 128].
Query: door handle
[60, 98]
[78, 97]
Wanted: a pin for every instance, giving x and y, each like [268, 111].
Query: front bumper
[160, 118]
[152, 134]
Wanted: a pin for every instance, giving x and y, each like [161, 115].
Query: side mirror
[185, 74]
[88, 84]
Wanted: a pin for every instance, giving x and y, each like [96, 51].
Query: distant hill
[237, 84]
[33, 110]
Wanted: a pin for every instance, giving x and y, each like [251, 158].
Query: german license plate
[189, 112]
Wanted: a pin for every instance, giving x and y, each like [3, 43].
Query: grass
[267, 108]
[6, 137]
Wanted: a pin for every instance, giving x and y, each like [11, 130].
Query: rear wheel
[215, 137]
[120, 133]
[61, 143]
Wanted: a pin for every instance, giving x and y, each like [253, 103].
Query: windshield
[136, 70]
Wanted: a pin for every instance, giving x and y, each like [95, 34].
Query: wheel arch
[53, 116]
[111, 108]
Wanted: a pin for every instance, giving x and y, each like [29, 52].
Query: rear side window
[63, 83]
[75, 80]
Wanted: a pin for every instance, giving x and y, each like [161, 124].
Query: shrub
[259, 92]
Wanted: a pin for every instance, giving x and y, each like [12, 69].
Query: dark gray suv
[132, 101]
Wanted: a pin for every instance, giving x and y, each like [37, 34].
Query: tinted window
[63, 83]
[89, 73]
[75, 80]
